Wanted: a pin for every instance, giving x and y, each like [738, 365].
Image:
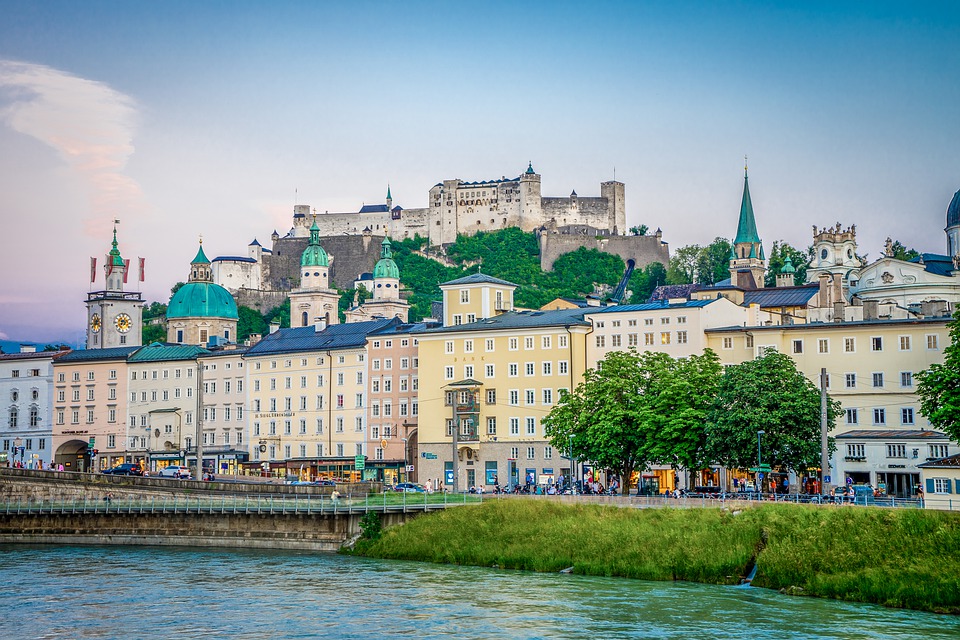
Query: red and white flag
[107, 261]
[143, 262]
[93, 269]
[126, 270]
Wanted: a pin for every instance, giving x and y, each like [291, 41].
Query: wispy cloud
[88, 123]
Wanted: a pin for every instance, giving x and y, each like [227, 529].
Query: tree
[175, 288]
[778, 257]
[939, 386]
[644, 281]
[249, 321]
[640, 230]
[683, 265]
[713, 263]
[153, 332]
[900, 252]
[634, 410]
[767, 394]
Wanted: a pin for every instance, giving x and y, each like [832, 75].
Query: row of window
[15, 395]
[857, 450]
[404, 409]
[34, 373]
[155, 374]
[388, 344]
[155, 396]
[513, 344]
[907, 416]
[302, 449]
[905, 343]
[13, 419]
[513, 369]
[27, 444]
[75, 416]
[341, 378]
[339, 426]
[649, 339]
[341, 359]
[75, 377]
[632, 322]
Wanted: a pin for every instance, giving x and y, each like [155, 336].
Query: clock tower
[114, 316]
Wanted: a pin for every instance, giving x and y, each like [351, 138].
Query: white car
[175, 471]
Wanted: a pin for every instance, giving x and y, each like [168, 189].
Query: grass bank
[906, 558]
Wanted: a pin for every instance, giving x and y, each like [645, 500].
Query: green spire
[115, 259]
[530, 168]
[747, 226]
[201, 257]
[788, 266]
[389, 197]
[314, 255]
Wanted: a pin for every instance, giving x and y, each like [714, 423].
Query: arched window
[34, 416]
[14, 416]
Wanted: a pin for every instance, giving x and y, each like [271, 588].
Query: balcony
[467, 407]
[855, 459]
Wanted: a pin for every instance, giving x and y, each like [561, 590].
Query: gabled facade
[475, 297]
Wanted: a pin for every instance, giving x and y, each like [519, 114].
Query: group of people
[39, 465]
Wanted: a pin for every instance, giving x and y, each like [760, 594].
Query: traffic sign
[359, 463]
[429, 456]
[760, 476]
[826, 479]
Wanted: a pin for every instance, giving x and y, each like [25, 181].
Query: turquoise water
[184, 593]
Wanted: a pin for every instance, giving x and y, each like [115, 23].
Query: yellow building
[871, 368]
[495, 378]
[307, 399]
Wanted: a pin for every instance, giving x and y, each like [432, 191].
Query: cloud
[89, 124]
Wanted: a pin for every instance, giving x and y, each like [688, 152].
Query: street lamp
[406, 474]
[759, 472]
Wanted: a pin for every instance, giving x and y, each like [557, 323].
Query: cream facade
[475, 297]
[940, 480]
[496, 379]
[871, 368]
[223, 415]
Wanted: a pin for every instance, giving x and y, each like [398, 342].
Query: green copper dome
[788, 266]
[314, 255]
[386, 267]
[201, 257]
[202, 300]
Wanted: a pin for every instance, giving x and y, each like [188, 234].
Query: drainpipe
[199, 475]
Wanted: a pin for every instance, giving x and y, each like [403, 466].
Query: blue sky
[213, 118]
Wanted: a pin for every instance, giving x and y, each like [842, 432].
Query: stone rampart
[643, 250]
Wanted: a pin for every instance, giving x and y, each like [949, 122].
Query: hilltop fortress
[263, 276]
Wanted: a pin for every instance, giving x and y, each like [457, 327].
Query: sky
[184, 119]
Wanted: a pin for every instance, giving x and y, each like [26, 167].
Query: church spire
[747, 226]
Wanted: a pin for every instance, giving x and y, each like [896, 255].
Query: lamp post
[572, 468]
[406, 474]
[759, 472]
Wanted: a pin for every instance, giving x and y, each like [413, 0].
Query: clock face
[95, 323]
[123, 323]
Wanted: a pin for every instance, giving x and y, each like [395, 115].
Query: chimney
[837, 288]
[824, 290]
[319, 324]
[274, 326]
[838, 307]
[871, 309]
[28, 348]
[253, 339]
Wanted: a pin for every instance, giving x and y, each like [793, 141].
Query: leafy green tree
[279, 314]
[59, 346]
[778, 257]
[250, 321]
[640, 230]
[644, 281]
[153, 333]
[683, 265]
[634, 410]
[175, 288]
[939, 386]
[767, 394]
[713, 262]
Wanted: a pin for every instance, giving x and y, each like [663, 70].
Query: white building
[26, 389]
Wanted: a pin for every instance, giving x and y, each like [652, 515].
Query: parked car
[175, 471]
[409, 487]
[125, 469]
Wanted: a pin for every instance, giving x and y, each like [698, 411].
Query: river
[185, 593]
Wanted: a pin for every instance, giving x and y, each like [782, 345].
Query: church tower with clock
[114, 316]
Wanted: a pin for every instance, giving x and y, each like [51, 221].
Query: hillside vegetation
[898, 558]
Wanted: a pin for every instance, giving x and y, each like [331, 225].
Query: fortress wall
[643, 250]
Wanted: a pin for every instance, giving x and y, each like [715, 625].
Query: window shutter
[929, 485]
[958, 484]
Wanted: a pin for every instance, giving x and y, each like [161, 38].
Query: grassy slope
[903, 558]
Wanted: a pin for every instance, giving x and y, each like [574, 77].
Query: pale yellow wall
[164, 384]
[314, 384]
[940, 500]
[474, 300]
[225, 388]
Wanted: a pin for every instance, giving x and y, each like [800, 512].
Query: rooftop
[33, 355]
[89, 355]
[652, 306]
[521, 320]
[833, 325]
[889, 434]
[477, 278]
[950, 462]
[156, 352]
[339, 336]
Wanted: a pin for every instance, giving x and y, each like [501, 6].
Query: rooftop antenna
[296, 196]
[744, 165]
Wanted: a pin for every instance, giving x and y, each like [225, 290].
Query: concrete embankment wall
[29, 484]
[316, 532]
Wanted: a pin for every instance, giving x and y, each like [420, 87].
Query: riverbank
[907, 558]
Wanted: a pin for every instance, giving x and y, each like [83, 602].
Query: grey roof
[113, 353]
[888, 434]
[950, 462]
[652, 306]
[781, 296]
[477, 278]
[405, 328]
[521, 320]
[222, 353]
[339, 336]
[34, 355]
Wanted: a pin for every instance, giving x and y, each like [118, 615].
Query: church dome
[314, 256]
[386, 267]
[202, 300]
[953, 211]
